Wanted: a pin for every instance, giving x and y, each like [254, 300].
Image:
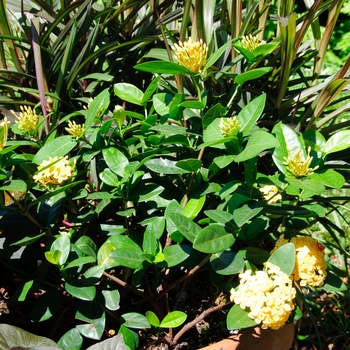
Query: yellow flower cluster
[28, 119]
[268, 295]
[270, 194]
[229, 126]
[250, 42]
[54, 171]
[191, 55]
[310, 265]
[296, 164]
[76, 130]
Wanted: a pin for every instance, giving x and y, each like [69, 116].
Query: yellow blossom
[191, 55]
[76, 130]
[3, 132]
[89, 103]
[54, 171]
[267, 295]
[310, 265]
[250, 42]
[28, 119]
[297, 165]
[270, 194]
[229, 126]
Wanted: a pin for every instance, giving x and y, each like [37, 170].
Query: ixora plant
[124, 207]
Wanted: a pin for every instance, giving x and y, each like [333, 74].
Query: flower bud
[119, 115]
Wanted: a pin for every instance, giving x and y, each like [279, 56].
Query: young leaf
[128, 92]
[152, 318]
[173, 319]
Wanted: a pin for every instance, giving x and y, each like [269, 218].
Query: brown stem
[202, 316]
[183, 278]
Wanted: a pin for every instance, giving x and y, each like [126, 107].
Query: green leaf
[191, 165]
[258, 142]
[79, 262]
[80, 291]
[97, 107]
[237, 318]
[288, 139]
[213, 239]
[130, 338]
[284, 258]
[329, 178]
[135, 320]
[164, 166]
[249, 115]
[227, 263]
[246, 212]
[173, 319]
[12, 337]
[28, 240]
[61, 244]
[116, 161]
[175, 254]
[15, 185]
[96, 319]
[109, 178]
[130, 93]
[25, 289]
[187, 228]
[216, 55]
[58, 147]
[193, 207]
[152, 318]
[163, 67]
[216, 111]
[252, 74]
[152, 87]
[112, 299]
[87, 246]
[128, 257]
[337, 142]
[71, 340]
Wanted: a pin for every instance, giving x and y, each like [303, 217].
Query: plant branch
[202, 316]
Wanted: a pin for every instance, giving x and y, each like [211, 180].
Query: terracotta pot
[257, 339]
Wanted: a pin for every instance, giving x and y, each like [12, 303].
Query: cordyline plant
[214, 166]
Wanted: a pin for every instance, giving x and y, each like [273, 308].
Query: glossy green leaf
[97, 107]
[164, 166]
[87, 246]
[258, 142]
[151, 88]
[79, 262]
[154, 230]
[284, 258]
[288, 139]
[58, 147]
[216, 111]
[194, 206]
[191, 165]
[109, 178]
[128, 92]
[251, 75]
[29, 240]
[175, 254]
[61, 244]
[249, 115]
[135, 320]
[152, 318]
[187, 227]
[128, 257]
[80, 291]
[116, 161]
[227, 263]
[329, 178]
[237, 318]
[96, 322]
[24, 290]
[213, 239]
[112, 299]
[71, 340]
[216, 55]
[130, 338]
[15, 185]
[246, 212]
[162, 67]
[337, 142]
[173, 319]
